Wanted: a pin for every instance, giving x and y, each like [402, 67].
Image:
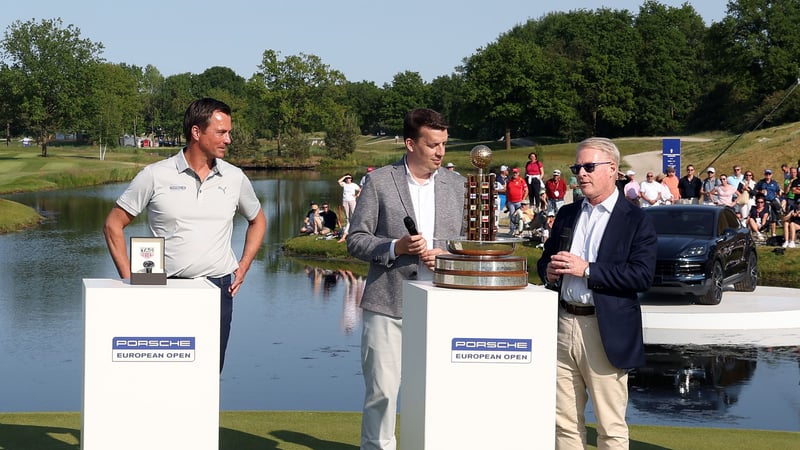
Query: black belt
[225, 279]
[577, 310]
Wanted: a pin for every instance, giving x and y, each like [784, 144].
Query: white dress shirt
[588, 234]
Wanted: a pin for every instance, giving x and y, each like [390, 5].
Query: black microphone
[565, 242]
[410, 225]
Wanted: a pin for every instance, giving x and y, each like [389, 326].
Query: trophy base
[489, 272]
[152, 279]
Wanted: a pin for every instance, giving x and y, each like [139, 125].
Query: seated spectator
[547, 227]
[758, 219]
[312, 223]
[523, 216]
[791, 224]
[330, 222]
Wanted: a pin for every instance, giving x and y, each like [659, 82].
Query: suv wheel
[750, 281]
[714, 294]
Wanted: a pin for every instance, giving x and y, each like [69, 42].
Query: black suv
[701, 250]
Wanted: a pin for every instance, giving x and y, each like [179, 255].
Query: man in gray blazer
[416, 187]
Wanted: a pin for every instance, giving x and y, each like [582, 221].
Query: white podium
[151, 365]
[479, 368]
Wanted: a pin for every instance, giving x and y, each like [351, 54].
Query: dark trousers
[225, 313]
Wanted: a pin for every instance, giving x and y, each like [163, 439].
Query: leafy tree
[52, 74]
[297, 146]
[598, 60]
[9, 106]
[406, 92]
[299, 90]
[341, 135]
[171, 99]
[502, 83]
[364, 98]
[671, 67]
[755, 49]
[115, 102]
[446, 94]
[218, 79]
[151, 83]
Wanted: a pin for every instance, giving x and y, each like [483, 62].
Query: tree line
[563, 76]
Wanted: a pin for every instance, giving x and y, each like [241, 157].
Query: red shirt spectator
[516, 188]
[555, 187]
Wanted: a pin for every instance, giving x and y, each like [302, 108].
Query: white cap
[630, 172]
[711, 169]
[556, 172]
[551, 214]
[503, 168]
[450, 165]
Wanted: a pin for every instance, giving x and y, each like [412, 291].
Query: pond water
[296, 329]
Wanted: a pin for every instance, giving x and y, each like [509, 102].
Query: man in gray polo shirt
[191, 199]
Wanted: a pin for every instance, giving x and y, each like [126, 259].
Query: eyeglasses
[588, 167]
[748, 174]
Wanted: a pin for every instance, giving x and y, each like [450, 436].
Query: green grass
[14, 216]
[303, 430]
[24, 170]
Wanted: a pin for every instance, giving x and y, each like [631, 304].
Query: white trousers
[381, 349]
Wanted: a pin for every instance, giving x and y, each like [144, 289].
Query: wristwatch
[586, 272]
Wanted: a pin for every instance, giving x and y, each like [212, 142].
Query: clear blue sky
[365, 39]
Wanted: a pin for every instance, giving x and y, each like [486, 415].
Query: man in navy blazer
[433, 197]
[600, 255]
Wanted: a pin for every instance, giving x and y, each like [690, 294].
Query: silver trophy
[481, 260]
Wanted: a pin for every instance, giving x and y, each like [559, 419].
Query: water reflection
[322, 283]
[679, 379]
[691, 384]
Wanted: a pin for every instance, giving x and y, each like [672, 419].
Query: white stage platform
[770, 316]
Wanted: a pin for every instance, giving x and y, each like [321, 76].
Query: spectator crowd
[764, 206]
[531, 200]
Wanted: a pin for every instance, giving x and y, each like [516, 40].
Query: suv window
[727, 219]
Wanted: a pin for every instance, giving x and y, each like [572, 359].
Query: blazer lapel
[616, 225]
[399, 177]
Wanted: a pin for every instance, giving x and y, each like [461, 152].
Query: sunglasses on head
[588, 167]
